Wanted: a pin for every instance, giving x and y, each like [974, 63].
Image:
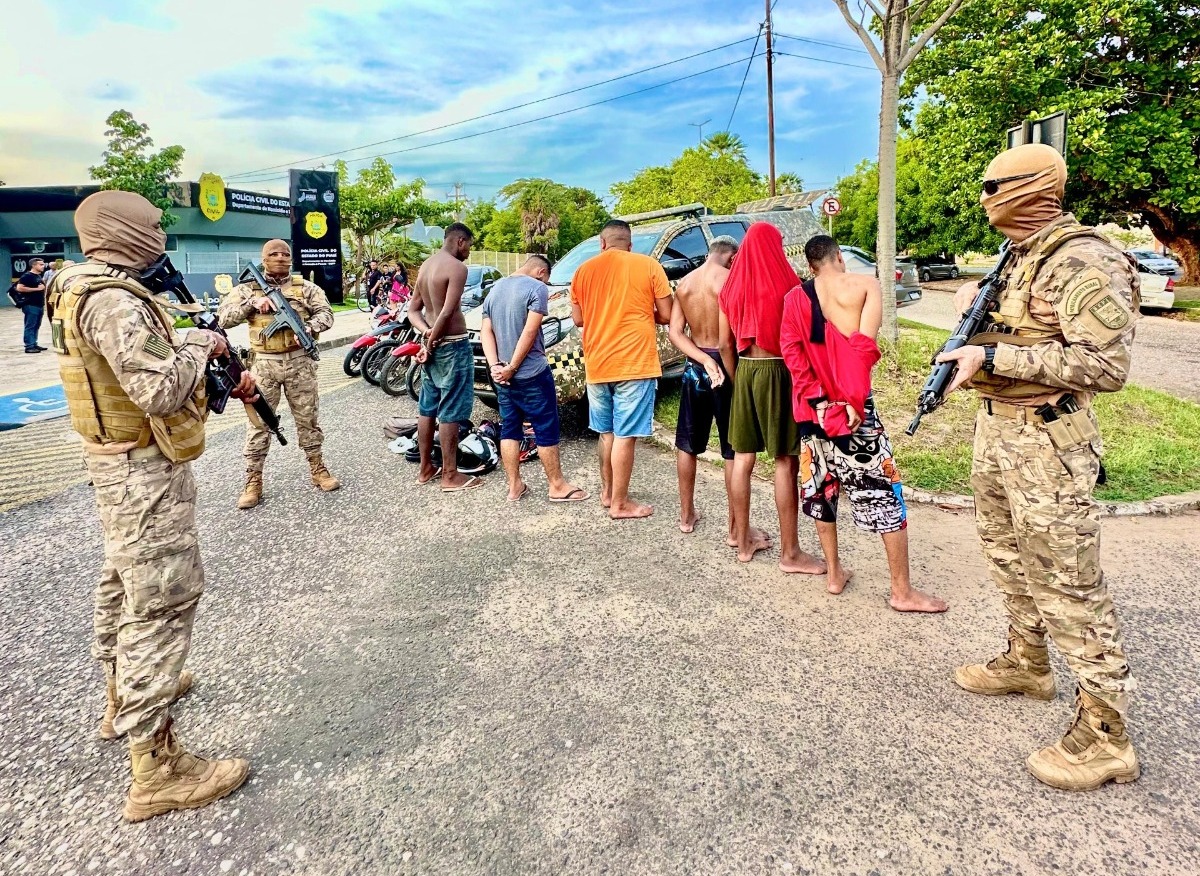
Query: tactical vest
[100, 409]
[1012, 323]
[282, 341]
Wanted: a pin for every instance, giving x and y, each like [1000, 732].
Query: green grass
[1150, 445]
[344, 306]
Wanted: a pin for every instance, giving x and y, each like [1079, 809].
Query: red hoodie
[752, 297]
[824, 362]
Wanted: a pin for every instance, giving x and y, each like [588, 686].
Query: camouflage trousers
[1040, 531]
[150, 585]
[296, 375]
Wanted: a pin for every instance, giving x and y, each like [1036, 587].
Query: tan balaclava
[120, 228]
[272, 245]
[1022, 207]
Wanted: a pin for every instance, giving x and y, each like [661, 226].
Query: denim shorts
[448, 390]
[625, 408]
[532, 399]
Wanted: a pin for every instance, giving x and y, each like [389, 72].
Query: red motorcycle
[393, 376]
[391, 327]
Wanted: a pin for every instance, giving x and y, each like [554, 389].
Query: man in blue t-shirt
[516, 354]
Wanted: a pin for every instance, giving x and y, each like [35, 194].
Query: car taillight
[1170, 284]
[899, 274]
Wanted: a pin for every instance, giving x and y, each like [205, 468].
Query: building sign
[212, 196]
[237, 201]
[317, 230]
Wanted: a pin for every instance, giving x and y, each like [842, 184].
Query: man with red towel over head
[760, 414]
[828, 342]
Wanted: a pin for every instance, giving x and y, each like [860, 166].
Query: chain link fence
[218, 262]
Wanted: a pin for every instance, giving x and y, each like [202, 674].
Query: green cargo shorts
[760, 416]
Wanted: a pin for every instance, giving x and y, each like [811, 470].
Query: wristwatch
[989, 359]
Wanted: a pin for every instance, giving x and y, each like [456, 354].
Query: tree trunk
[1182, 240]
[885, 246]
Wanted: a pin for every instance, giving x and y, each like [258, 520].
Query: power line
[495, 112]
[826, 61]
[553, 115]
[828, 43]
[745, 76]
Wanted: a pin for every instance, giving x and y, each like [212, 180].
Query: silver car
[908, 285]
[1153, 263]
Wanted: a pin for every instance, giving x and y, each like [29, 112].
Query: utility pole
[770, 105]
[700, 125]
[459, 196]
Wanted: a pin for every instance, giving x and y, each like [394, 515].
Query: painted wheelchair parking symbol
[32, 406]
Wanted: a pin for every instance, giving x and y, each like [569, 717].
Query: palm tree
[540, 202]
[724, 143]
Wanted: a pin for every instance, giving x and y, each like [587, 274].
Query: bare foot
[802, 564]
[687, 525]
[453, 480]
[519, 493]
[762, 544]
[605, 497]
[424, 475]
[916, 600]
[838, 578]
[757, 536]
[630, 510]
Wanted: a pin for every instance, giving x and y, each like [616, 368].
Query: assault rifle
[222, 373]
[933, 394]
[285, 314]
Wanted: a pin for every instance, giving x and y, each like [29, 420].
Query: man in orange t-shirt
[617, 298]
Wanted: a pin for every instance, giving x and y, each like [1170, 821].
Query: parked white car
[1158, 292]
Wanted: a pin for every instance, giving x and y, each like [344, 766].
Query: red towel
[752, 298]
[824, 363]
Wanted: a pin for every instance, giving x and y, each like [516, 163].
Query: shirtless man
[448, 390]
[828, 340]
[706, 391]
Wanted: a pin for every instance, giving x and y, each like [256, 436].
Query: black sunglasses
[991, 186]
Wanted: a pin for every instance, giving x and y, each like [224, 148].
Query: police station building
[221, 239]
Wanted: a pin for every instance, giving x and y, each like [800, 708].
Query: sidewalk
[29, 384]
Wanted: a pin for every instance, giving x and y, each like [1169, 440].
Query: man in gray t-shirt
[516, 354]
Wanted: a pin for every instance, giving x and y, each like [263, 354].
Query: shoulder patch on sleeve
[155, 347]
[1080, 292]
[1110, 313]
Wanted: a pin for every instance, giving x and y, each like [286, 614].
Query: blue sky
[290, 81]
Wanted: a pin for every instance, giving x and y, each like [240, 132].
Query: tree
[788, 184]
[539, 215]
[718, 176]
[375, 203]
[129, 166]
[897, 49]
[1126, 71]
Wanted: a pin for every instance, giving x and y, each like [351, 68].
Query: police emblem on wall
[212, 196]
[317, 230]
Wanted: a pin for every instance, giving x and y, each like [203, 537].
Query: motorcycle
[390, 326]
[393, 375]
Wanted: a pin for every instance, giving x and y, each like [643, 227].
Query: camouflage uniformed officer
[1063, 332]
[135, 391]
[281, 365]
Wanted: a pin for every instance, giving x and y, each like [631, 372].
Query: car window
[474, 275]
[736, 230]
[688, 244]
[565, 269]
[855, 265]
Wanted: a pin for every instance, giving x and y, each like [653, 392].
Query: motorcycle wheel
[412, 381]
[393, 378]
[374, 361]
[352, 364]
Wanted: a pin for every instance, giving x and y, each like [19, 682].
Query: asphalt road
[452, 685]
[1166, 352]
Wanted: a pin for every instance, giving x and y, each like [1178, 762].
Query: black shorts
[699, 405]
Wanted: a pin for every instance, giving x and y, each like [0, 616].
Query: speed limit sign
[832, 206]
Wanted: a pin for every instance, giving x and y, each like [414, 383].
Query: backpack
[17, 298]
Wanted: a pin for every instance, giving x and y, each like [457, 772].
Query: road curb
[1156, 507]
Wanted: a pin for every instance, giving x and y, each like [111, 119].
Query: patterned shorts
[862, 465]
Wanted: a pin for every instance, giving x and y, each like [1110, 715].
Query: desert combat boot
[107, 731]
[321, 477]
[1095, 750]
[252, 492]
[166, 778]
[1022, 668]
